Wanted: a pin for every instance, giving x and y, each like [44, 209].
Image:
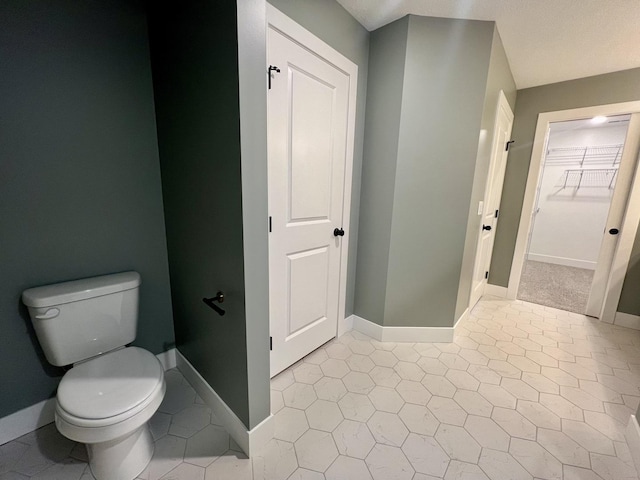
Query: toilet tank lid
[73, 291]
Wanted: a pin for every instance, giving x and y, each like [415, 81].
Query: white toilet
[108, 396]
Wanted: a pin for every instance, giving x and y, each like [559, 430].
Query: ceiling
[546, 41]
[613, 121]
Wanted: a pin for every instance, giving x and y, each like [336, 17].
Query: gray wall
[386, 75]
[442, 101]
[330, 22]
[598, 90]
[499, 78]
[418, 171]
[194, 52]
[252, 65]
[80, 175]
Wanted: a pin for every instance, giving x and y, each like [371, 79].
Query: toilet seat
[110, 395]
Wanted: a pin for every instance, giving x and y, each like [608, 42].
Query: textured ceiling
[546, 41]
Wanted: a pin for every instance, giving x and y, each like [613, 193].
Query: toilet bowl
[112, 390]
[105, 403]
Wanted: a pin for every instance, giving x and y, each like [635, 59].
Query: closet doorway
[577, 183]
[580, 210]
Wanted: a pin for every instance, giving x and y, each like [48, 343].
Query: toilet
[112, 390]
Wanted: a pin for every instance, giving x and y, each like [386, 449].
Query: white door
[308, 155]
[492, 196]
[615, 218]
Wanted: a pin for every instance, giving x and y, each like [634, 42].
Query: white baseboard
[345, 325]
[495, 290]
[250, 441]
[403, 334]
[168, 359]
[42, 413]
[568, 262]
[26, 420]
[632, 433]
[627, 320]
[464, 316]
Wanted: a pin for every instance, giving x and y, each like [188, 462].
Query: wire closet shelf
[586, 158]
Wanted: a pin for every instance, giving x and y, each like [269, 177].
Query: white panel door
[493, 194]
[308, 107]
[615, 218]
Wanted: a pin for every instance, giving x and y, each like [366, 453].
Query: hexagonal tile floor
[523, 392]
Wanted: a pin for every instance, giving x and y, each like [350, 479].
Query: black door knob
[338, 232]
[486, 227]
[614, 231]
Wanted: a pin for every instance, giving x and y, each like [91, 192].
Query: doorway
[574, 193]
[310, 139]
[621, 225]
[489, 209]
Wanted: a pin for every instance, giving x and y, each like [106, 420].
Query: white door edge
[620, 203]
[627, 233]
[496, 150]
[303, 37]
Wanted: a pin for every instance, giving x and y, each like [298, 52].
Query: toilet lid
[111, 384]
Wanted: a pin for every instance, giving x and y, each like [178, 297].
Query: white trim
[622, 256]
[616, 252]
[495, 290]
[627, 320]
[632, 434]
[567, 262]
[168, 359]
[250, 441]
[42, 413]
[298, 34]
[537, 154]
[403, 334]
[27, 420]
[345, 325]
[464, 316]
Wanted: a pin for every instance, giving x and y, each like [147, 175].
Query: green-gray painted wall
[418, 171]
[443, 96]
[499, 78]
[252, 64]
[384, 91]
[330, 22]
[81, 192]
[205, 150]
[585, 92]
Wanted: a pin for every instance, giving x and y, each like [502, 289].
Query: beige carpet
[558, 286]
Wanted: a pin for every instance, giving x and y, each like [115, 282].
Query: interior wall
[330, 22]
[384, 102]
[81, 193]
[585, 92]
[446, 69]
[499, 78]
[570, 222]
[194, 53]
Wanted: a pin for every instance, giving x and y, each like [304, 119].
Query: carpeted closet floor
[557, 286]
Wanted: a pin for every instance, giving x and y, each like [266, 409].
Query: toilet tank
[80, 319]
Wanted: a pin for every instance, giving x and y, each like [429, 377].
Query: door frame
[629, 227]
[314, 45]
[496, 151]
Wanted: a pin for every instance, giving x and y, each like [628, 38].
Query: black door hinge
[272, 68]
[270, 343]
[496, 215]
[506, 148]
[270, 225]
[486, 274]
